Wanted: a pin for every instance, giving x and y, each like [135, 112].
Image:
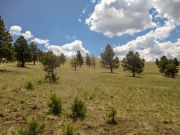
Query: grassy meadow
[147, 104]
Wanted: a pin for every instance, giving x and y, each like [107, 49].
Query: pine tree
[22, 49]
[34, 52]
[176, 62]
[168, 66]
[74, 62]
[108, 58]
[62, 58]
[133, 63]
[6, 46]
[88, 60]
[79, 58]
[50, 62]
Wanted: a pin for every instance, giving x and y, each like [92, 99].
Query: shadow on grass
[109, 72]
[137, 76]
[5, 71]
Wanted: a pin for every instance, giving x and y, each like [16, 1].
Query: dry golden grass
[147, 104]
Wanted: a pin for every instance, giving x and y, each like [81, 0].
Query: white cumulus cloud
[117, 17]
[150, 46]
[17, 31]
[168, 8]
[41, 41]
[68, 49]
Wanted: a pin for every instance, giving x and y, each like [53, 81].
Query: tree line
[22, 52]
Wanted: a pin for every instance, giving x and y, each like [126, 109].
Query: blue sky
[63, 22]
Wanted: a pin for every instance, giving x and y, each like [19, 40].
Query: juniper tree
[50, 62]
[6, 46]
[74, 62]
[34, 52]
[133, 63]
[79, 58]
[107, 59]
[22, 51]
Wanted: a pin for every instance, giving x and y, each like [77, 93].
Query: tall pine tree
[6, 46]
[79, 58]
[34, 52]
[107, 58]
[88, 60]
[133, 63]
[22, 49]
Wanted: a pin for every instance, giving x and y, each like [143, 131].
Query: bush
[78, 108]
[55, 104]
[34, 128]
[112, 116]
[29, 86]
[68, 130]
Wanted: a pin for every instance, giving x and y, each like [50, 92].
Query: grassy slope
[149, 104]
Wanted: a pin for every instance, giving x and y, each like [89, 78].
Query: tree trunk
[75, 67]
[22, 63]
[111, 69]
[34, 62]
[133, 73]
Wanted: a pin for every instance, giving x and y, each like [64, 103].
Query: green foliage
[168, 66]
[176, 62]
[107, 58]
[22, 49]
[34, 128]
[157, 62]
[34, 52]
[132, 62]
[68, 130]
[74, 62]
[78, 108]
[79, 58]
[88, 60]
[50, 62]
[6, 46]
[62, 58]
[112, 116]
[171, 70]
[55, 104]
[29, 86]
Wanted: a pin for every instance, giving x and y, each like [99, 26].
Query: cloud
[150, 46]
[93, 1]
[40, 41]
[168, 8]
[17, 31]
[117, 17]
[27, 35]
[68, 49]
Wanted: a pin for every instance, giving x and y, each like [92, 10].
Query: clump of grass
[78, 108]
[112, 116]
[34, 128]
[68, 130]
[55, 104]
[29, 86]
